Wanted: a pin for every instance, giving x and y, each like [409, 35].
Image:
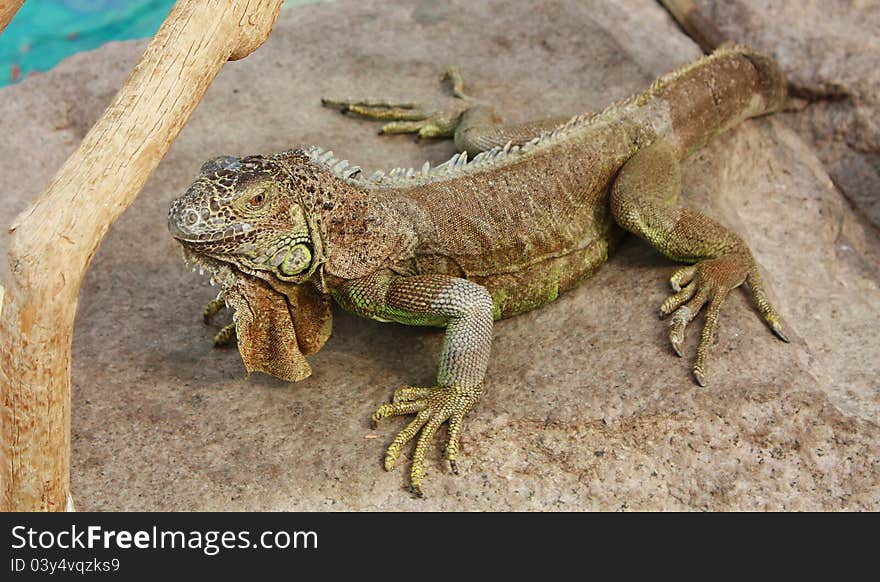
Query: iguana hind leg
[643, 201]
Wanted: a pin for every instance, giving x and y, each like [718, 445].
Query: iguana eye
[257, 200]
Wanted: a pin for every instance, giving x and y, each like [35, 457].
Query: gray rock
[830, 52]
[586, 406]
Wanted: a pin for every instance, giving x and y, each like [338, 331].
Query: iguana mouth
[223, 272]
[189, 226]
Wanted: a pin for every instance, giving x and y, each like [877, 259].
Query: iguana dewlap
[531, 215]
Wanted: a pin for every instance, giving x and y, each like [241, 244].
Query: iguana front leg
[643, 201]
[465, 310]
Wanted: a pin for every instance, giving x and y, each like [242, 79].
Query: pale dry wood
[52, 242]
[7, 11]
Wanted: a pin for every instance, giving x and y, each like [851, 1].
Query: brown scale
[556, 232]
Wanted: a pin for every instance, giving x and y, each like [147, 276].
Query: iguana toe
[211, 309]
[674, 302]
[707, 285]
[225, 336]
[344, 104]
[392, 112]
[762, 302]
[410, 393]
[682, 277]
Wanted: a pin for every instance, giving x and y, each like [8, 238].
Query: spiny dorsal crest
[457, 165]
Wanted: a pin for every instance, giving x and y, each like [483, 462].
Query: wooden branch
[8, 10]
[52, 242]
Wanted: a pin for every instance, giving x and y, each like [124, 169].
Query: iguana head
[246, 221]
[249, 212]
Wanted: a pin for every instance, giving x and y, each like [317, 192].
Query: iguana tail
[717, 92]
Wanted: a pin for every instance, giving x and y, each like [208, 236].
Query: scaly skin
[537, 211]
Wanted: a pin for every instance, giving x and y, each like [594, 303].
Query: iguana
[522, 214]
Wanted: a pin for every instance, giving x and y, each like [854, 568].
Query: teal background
[44, 32]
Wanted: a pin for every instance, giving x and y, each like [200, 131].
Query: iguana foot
[407, 116]
[709, 282]
[432, 406]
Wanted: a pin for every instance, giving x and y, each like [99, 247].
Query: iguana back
[532, 219]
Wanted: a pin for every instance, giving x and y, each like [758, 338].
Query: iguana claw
[432, 406]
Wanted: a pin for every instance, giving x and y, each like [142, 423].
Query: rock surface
[829, 51]
[586, 407]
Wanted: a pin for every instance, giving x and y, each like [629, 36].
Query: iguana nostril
[191, 218]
